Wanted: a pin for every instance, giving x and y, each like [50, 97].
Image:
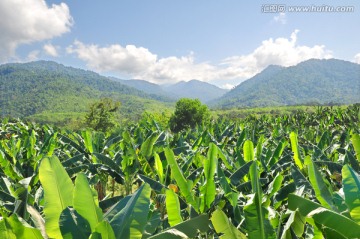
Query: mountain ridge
[35, 87]
[310, 82]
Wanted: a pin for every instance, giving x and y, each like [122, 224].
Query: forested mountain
[205, 92]
[310, 82]
[43, 86]
[145, 86]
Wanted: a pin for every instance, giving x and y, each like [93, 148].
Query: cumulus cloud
[24, 22]
[281, 51]
[50, 50]
[33, 55]
[281, 18]
[141, 63]
[357, 58]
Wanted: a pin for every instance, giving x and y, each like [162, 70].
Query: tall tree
[188, 113]
[101, 115]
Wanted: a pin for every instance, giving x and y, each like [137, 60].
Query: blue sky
[221, 42]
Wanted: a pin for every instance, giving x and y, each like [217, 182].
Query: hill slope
[42, 86]
[205, 92]
[147, 87]
[312, 81]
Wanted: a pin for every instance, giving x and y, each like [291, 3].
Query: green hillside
[310, 82]
[147, 87]
[43, 87]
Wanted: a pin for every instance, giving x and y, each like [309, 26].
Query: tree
[188, 113]
[101, 114]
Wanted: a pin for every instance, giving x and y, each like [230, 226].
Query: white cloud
[24, 22]
[139, 62]
[281, 18]
[33, 55]
[50, 50]
[281, 51]
[357, 58]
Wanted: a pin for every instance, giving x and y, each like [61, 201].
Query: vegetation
[44, 90]
[188, 113]
[313, 82]
[101, 115]
[288, 176]
[195, 89]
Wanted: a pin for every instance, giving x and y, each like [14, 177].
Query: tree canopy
[101, 114]
[188, 113]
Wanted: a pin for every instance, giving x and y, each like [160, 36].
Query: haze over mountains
[191, 89]
[42, 86]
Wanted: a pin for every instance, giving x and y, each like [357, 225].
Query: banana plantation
[286, 176]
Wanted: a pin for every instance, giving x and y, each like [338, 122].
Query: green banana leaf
[223, 226]
[322, 192]
[103, 231]
[73, 225]
[324, 216]
[351, 188]
[295, 150]
[295, 224]
[257, 225]
[11, 227]
[88, 142]
[173, 208]
[147, 147]
[84, 202]
[159, 168]
[248, 151]
[355, 139]
[179, 177]
[58, 193]
[208, 190]
[130, 222]
[187, 229]
[240, 173]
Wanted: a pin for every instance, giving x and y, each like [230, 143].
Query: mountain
[310, 82]
[205, 92]
[43, 86]
[145, 86]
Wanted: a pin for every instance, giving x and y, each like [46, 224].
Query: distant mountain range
[203, 91]
[310, 82]
[33, 88]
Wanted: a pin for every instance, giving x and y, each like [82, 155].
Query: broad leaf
[322, 192]
[12, 227]
[179, 177]
[187, 229]
[326, 217]
[103, 231]
[248, 151]
[173, 208]
[131, 220]
[295, 224]
[58, 193]
[351, 188]
[355, 139]
[295, 150]
[223, 226]
[84, 202]
[258, 226]
[208, 190]
[73, 225]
